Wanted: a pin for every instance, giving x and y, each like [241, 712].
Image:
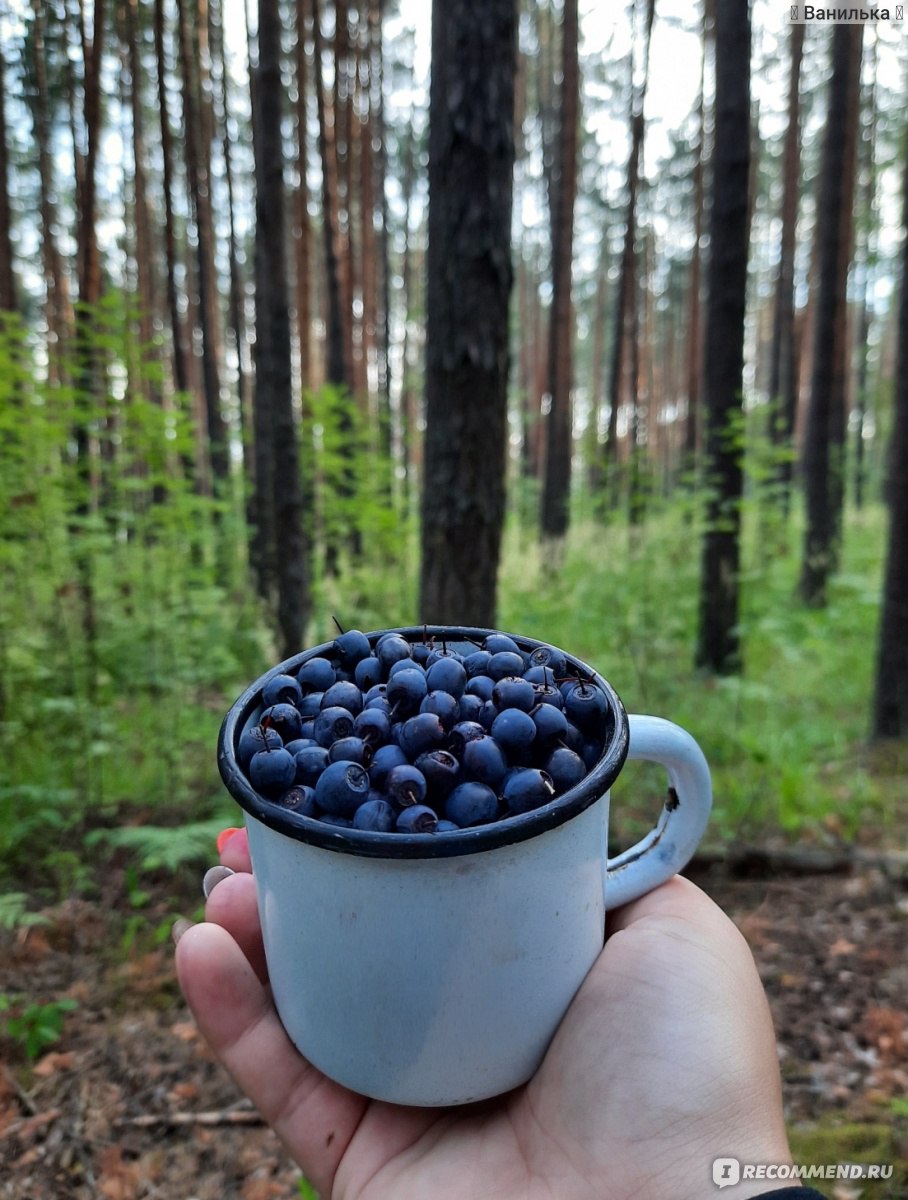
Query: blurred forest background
[628, 374]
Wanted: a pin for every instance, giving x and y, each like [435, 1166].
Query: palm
[664, 1061]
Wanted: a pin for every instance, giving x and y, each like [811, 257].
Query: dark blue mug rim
[370, 844]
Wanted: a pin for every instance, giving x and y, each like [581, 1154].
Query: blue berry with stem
[286, 719]
[447, 675]
[484, 759]
[421, 733]
[310, 762]
[376, 815]
[282, 689]
[565, 768]
[383, 760]
[441, 771]
[256, 738]
[418, 818]
[351, 646]
[343, 694]
[316, 675]
[341, 788]
[513, 692]
[514, 730]
[272, 772]
[527, 788]
[471, 803]
[301, 800]
[406, 785]
[445, 707]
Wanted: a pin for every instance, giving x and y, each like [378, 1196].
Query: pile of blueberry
[413, 737]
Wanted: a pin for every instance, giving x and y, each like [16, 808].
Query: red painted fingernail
[224, 837]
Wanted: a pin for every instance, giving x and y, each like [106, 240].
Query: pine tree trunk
[408, 399]
[890, 707]
[824, 435]
[718, 644]
[58, 306]
[341, 146]
[694, 347]
[336, 368]
[302, 229]
[783, 363]
[469, 275]
[8, 290]
[273, 379]
[559, 440]
[383, 290]
[177, 327]
[197, 154]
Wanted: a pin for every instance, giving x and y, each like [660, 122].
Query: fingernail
[213, 877]
[224, 837]
[180, 926]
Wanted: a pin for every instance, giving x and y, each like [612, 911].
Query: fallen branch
[757, 862]
[152, 1120]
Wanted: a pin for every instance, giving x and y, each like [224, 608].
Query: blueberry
[505, 663]
[299, 744]
[316, 675]
[586, 705]
[343, 695]
[477, 663]
[282, 689]
[373, 726]
[481, 686]
[471, 803]
[368, 673]
[440, 769]
[272, 772]
[527, 788]
[445, 707]
[311, 704]
[285, 719]
[551, 658]
[421, 733]
[487, 715]
[447, 675]
[332, 819]
[514, 730]
[550, 722]
[391, 649]
[512, 692]
[406, 691]
[406, 785]
[442, 651]
[405, 664]
[420, 652]
[351, 647]
[384, 758]
[378, 691]
[565, 768]
[301, 800]
[500, 643]
[331, 724]
[468, 708]
[350, 749]
[463, 732]
[417, 819]
[341, 788]
[310, 762]
[446, 827]
[547, 694]
[376, 815]
[254, 739]
[483, 759]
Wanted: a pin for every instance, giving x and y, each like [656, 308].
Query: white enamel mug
[434, 968]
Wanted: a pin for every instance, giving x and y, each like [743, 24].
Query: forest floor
[129, 1104]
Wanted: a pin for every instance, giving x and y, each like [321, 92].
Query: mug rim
[448, 844]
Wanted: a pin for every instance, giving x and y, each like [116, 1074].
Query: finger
[234, 849]
[678, 897]
[232, 905]
[314, 1117]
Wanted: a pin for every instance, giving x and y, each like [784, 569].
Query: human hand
[665, 1060]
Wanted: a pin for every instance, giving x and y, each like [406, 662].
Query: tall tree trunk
[890, 705]
[694, 347]
[8, 290]
[337, 365]
[556, 491]
[783, 363]
[273, 381]
[718, 644]
[408, 397]
[58, 305]
[342, 111]
[469, 275]
[197, 155]
[824, 436]
[626, 267]
[177, 329]
[867, 154]
[144, 253]
[302, 228]
[383, 291]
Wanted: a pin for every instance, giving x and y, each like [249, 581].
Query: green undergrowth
[832, 1142]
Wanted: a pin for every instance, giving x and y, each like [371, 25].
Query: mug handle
[670, 846]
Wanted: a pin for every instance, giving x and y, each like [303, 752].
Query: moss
[830, 1142]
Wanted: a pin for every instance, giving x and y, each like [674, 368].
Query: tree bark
[302, 229]
[197, 155]
[783, 361]
[824, 435]
[556, 490]
[145, 260]
[8, 289]
[718, 643]
[469, 276]
[177, 325]
[694, 347]
[273, 358]
[890, 703]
